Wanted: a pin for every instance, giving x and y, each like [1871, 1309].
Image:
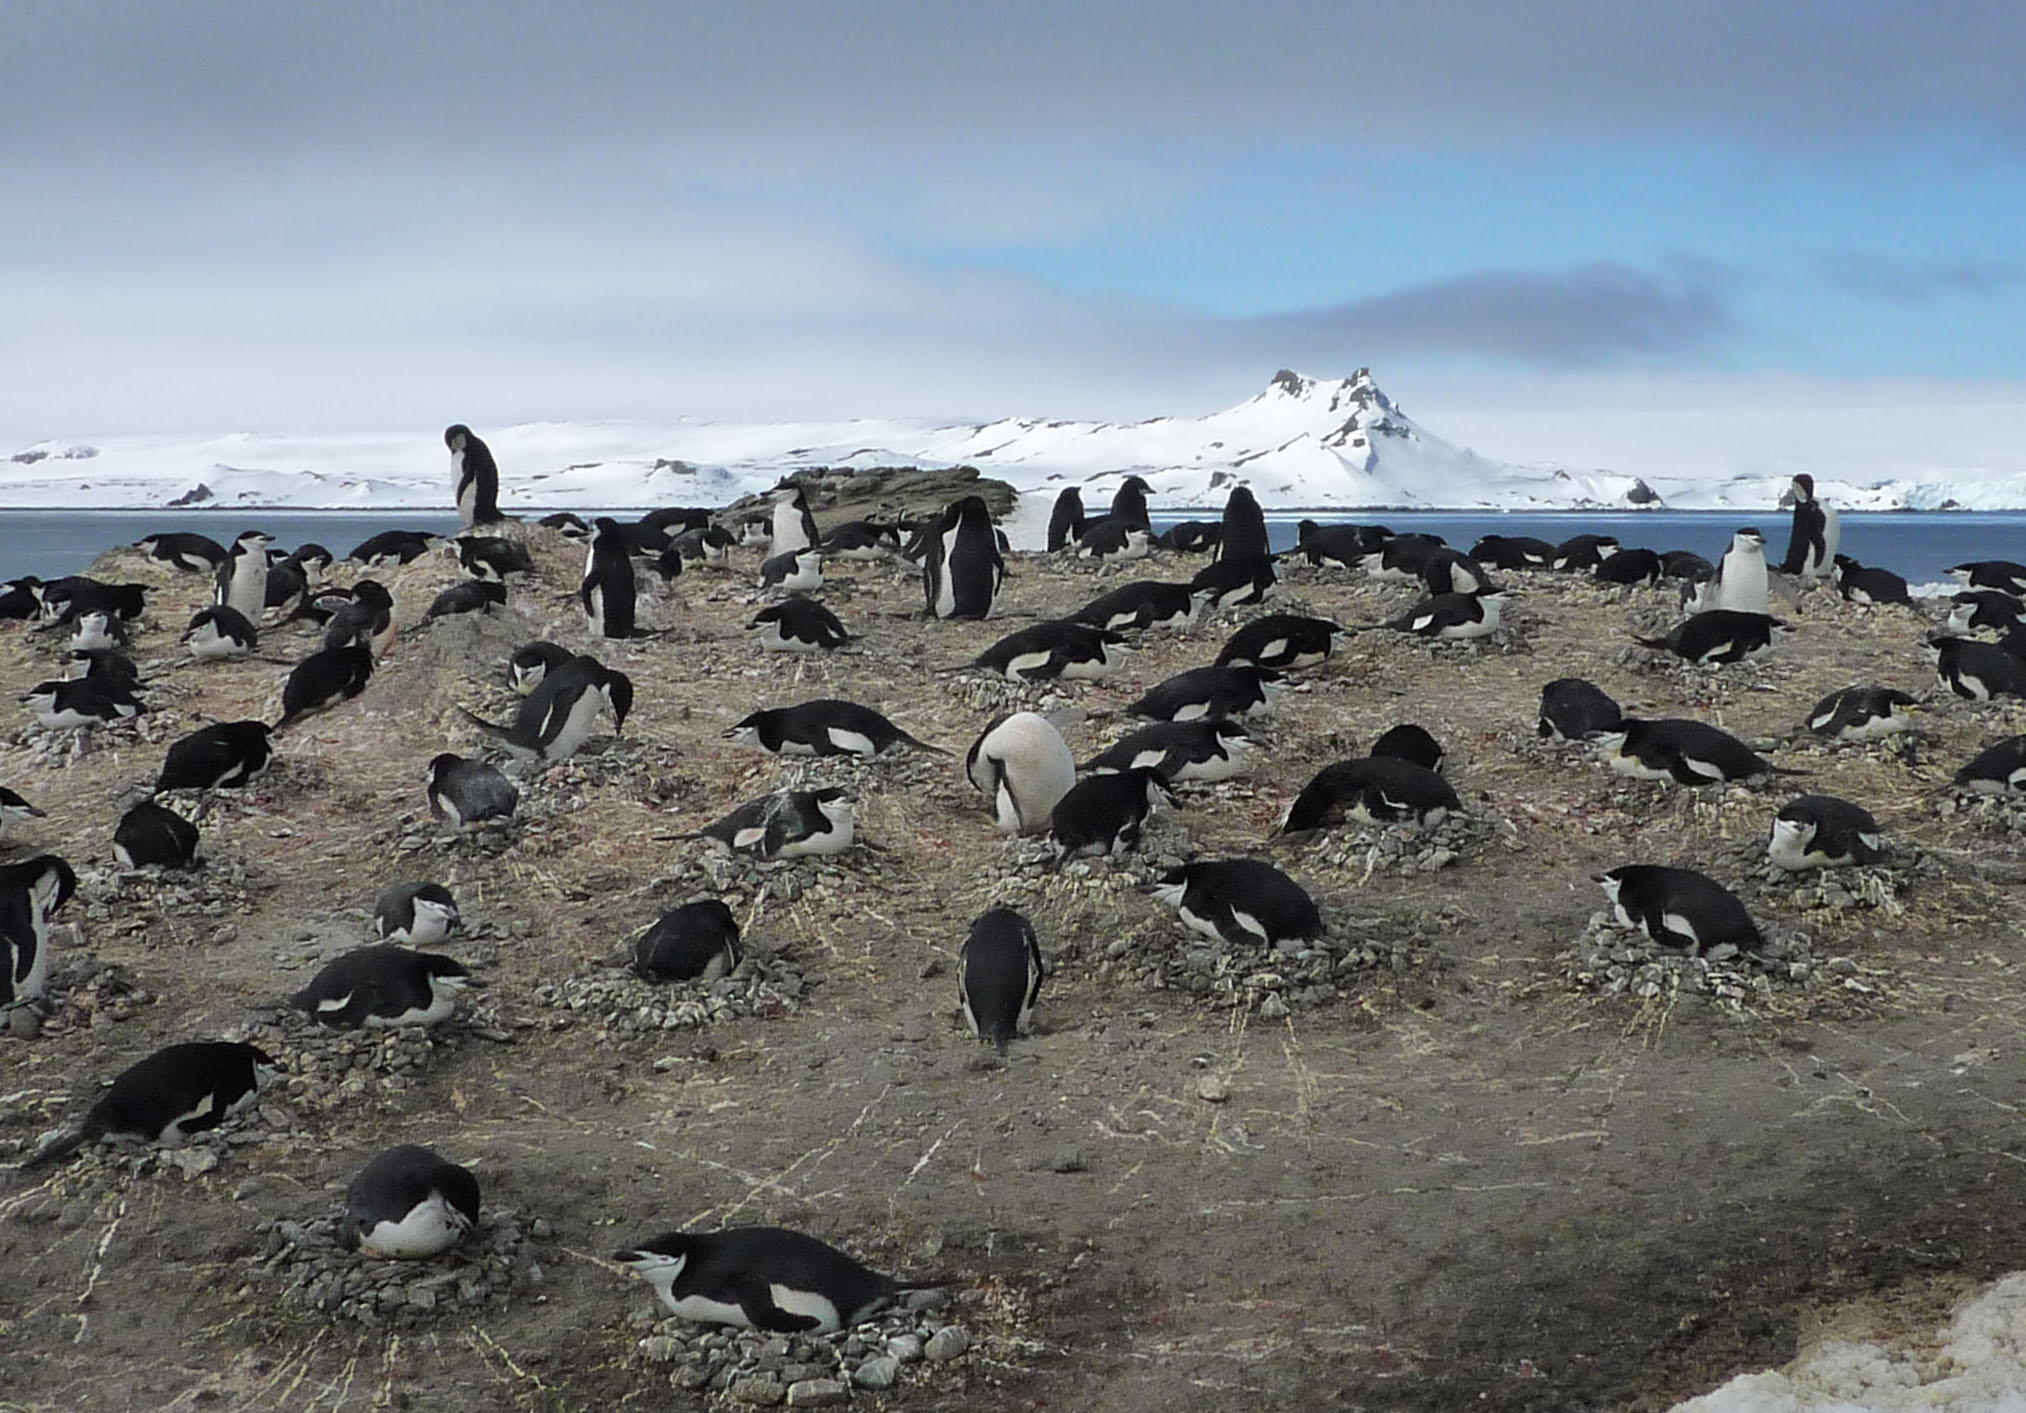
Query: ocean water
[1921, 547]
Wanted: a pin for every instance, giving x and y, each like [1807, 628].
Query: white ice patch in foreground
[1976, 1365]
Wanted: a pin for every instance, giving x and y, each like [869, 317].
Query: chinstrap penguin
[1678, 907]
[824, 727]
[1208, 750]
[469, 792]
[1862, 714]
[798, 626]
[1821, 831]
[1057, 648]
[165, 1098]
[999, 974]
[1022, 764]
[409, 1203]
[382, 986]
[1105, 814]
[1242, 902]
[764, 1278]
[151, 834]
[789, 824]
[695, 942]
[1574, 710]
[1373, 790]
[224, 756]
[418, 914]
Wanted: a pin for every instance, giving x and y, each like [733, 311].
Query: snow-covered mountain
[1300, 443]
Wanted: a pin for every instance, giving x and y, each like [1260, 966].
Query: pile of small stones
[312, 1271]
[201, 1153]
[84, 992]
[905, 1345]
[1875, 886]
[1409, 849]
[2001, 813]
[326, 1068]
[624, 1006]
[135, 900]
[1613, 960]
[996, 694]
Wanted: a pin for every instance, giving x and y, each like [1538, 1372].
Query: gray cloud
[1912, 282]
[1594, 314]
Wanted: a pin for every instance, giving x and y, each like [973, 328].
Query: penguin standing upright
[1065, 521]
[794, 523]
[608, 591]
[1244, 527]
[242, 579]
[1740, 582]
[30, 894]
[1817, 531]
[963, 567]
[999, 976]
[475, 474]
[1024, 765]
[409, 1203]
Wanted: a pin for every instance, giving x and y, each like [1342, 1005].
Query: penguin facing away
[1717, 637]
[1822, 831]
[367, 620]
[322, 680]
[225, 756]
[165, 1098]
[151, 835]
[1208, 692]
[1065, 520]
[1573, 710]
[418, 914]
[557, 717]
[1978, 671]
[382, 986]
[15, 810]
[999, 976]
[608, 591]
[1816, 534]
[1411, 743]
[1284, 642]
[962, 568]
[409, 1203]
[469, 792]
[1104, 814]
[764, 1278]
[1021, 763]
[1861, 584]
[80, 704]
[475, 475]
[1678, 907]
[469, 596]
[1452, 618]
[1144, 603]
[695, 942]
[1242, 902]
[1686, 752]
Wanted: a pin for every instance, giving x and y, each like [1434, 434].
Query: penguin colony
[1198, 726]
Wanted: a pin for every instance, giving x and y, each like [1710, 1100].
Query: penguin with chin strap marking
[242, 578]
[999, 973]
[1984, 610]
[493, 557]
[824, 727]
[1685, 752]
[322, 680]
[475, 475]
[31, 892]
[1821, 831]
[1816, 534]
[799, 626]
[223, 756]
[1021, 763]
[80, 704]
[2001, 574]
[532, 662]
[1284, 642]
[1996, 770]
[1680, 908]
[97, 629]
[1208, 692]
[1143, 604]
[1862, 714]
[608, 591]
[198, 554]
[1241, 902]
[1057, 649]
[366, 619]
[557, 718]
[383, 986]
[218, 633]
[1574, 710]
[1976, 671]
[789, 824]
[407, 1204]
[794, 571]
[164, 1099]
[1376, 790]
[150, 835]
[1739, 584]
[1208, 750]
[1105, 814]
[1065, 520]
[1865, 586]
[963, 568]
[15, 810]
[695, 942]
[417, 914]
[465, 793]
[760, 1278]
[794, 524]
[1452, 618]
[1718, 637]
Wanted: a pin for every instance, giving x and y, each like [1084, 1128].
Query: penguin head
[1749, 537]
[448, 974]
[618, 691]
[660, 1259]
[1606, 547]
[1796, 834]
[1611, 880]
[1173, 884]
[1610, 742]
[747, 732]
[1232, 736]
[456, 436]
[373, 593]
[834, 804]
[442, 765]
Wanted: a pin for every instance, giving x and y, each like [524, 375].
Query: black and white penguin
[1862, 714]
[21, 599]
[1104, 814]
[312, 558]
[408, 1204]
[789, 824]
[559, 715]
[1285, 642]
[1452, 618]
[493, 557]
[223, 756]
[1180, 750]
[696, 942]
[393, 547]
[1403, 558]
[66, 600]
[1740, 581]
[569, 526]
[1685, 752]
[797, 571]
[1021, 762]
[1232, 583]
[113, 668]
[322, 680]
[1581, 554]
[1108, 539]
[1338, 546]
[999, 976]
[1065, 520]
[1631, 567]
[382, 986]
[1144, 603]
[2000, 574]
[1243, 902]
[417, 914]
[31, 892]
[242, 578]
[824, 727]
[1678, 907]
[798, 626]
[98, 629]
[1821, 831]
[1996, 770]
[81, 704]
[1574, 710]
[1210, 692]
[794, 525]
[710, 547]
[608, 591]
[151, 835]
[1816, 533]
[1450, 571]
[1512, 552]
[1860, 584]
[1984, 611]
[1719, 636]
[532, 662]
[469, 792]
[761, 1278]
[1978, 671]
[1410, 743]
[1191, 537]
[863, 541]
[220, 632]
[172, 1094]
[474, 474]
[1244, 534]
[1371, 790]
[1686, 565]
[1059, 648]
[15, 810]
[467, 596]
[1129, 503]
[962, 568]
[199, 554]
[366, 620]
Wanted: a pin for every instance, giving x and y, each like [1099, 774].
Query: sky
[335, 218]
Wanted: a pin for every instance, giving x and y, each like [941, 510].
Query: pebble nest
[1406, 849]
[1612, 960]
[303, 1263]
[322, 1068]
[624, 1006]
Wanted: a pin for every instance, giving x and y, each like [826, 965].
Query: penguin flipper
[756, 1298]
[491, 728]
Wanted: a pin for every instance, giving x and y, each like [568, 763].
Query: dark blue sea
[1920, 546]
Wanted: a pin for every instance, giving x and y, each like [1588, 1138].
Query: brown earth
[1464, 1180]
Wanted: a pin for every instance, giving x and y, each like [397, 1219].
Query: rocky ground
[1474, 1148]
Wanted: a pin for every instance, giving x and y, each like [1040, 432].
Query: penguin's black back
[683, 942]
[1572, 708]
[1000, 974]
[152, 834]
[1065, 521]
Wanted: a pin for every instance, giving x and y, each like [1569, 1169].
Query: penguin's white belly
[804, 1302]
[247, 591]
[707, 1311]
[431, 924]
[577, 727]
[430, 1228]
